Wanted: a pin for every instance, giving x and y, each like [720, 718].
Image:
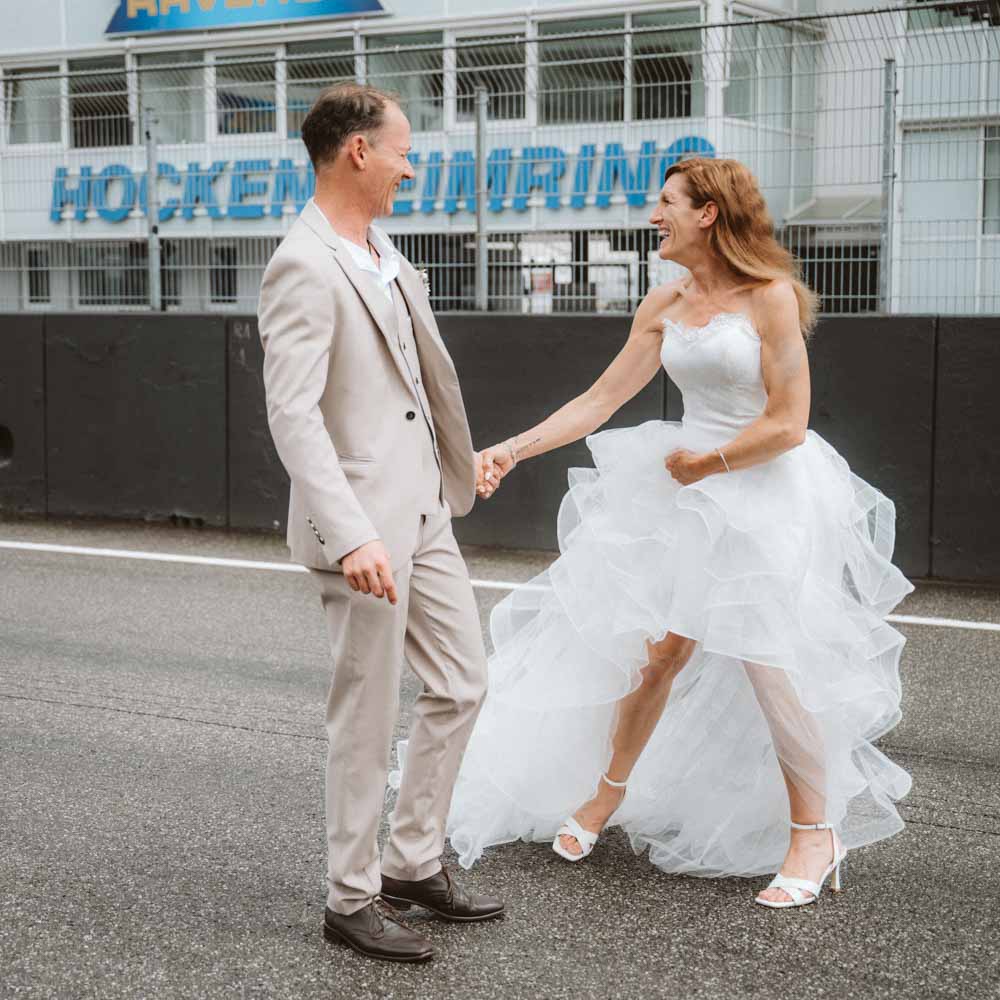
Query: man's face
[388, 163]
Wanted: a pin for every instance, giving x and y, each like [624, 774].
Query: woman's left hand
[686, 467]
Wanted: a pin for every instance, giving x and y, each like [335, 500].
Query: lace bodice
[717, 369]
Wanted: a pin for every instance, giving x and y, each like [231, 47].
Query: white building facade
[875, 138]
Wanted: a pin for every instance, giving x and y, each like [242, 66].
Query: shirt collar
[388, 254]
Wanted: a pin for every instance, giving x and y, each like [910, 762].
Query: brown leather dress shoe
[376, 931]
[442, 896]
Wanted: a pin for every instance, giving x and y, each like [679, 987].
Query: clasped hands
[492, 464]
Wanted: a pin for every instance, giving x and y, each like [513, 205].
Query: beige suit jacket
[338, 397]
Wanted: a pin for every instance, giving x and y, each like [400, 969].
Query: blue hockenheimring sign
[255, 188]
[135, 17]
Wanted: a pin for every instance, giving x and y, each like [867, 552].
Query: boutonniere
[426, 279]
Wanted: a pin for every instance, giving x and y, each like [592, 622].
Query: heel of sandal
[835, 883]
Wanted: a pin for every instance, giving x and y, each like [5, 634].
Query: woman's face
[681, 226]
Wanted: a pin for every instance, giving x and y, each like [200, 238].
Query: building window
[759, 84]
[740, 94]
[172, 84]
[941, 17]
[667, 77]
[33, 105]
[846, 278]
[497, 64]
[112, 274]
[170, 274]
[581, 78]
[245, 94]
[98, 103]
[222, 278]
[39, 287]
[403, 64]
[991, 182]
[310, 68]
[776, 50]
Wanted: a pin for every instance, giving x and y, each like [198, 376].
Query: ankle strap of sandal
[811, 826]
[613, 784]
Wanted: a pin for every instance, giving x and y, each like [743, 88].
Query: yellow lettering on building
[167, 5]
[134, 6]
[206, 5]
[231, 4]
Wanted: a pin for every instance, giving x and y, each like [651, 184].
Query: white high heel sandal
[798, 887]
[586, 839]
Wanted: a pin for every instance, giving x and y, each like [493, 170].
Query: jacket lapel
[424, 327]
[378, 306]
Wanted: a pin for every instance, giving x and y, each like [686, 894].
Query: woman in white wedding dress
[707, 663]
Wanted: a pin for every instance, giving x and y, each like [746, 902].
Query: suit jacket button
[410, 415]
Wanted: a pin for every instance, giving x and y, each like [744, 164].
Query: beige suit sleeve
[295, 319]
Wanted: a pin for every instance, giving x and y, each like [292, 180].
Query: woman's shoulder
[659, 299]
[774, 310]
[654, 307]
[773, 292]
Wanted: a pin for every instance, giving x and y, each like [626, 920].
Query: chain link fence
[875, 137]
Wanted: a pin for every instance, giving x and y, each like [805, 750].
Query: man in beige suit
[367, 416]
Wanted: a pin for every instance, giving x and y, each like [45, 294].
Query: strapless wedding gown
[782, 574]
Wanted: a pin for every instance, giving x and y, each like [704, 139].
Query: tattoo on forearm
[519, 448]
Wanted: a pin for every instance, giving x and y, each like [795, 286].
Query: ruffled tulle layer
[782, 574]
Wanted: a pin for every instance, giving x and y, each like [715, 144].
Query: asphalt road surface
[161, 828]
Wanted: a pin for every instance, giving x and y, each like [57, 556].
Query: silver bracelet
[510, 451]
[724, 462]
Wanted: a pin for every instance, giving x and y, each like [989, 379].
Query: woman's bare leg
[637, 716]
[798, 743]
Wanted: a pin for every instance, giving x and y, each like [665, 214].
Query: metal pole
[888, 183]
[482, 287]
[152, 212]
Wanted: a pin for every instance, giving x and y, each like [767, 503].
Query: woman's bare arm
[785, 367]
[633, 367]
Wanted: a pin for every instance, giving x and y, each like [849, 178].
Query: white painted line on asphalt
[943, 622]
[80, 550]
[506, 585]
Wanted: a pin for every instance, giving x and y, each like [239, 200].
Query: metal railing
[874, 135]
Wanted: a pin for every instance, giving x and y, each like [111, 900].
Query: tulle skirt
[782, 574]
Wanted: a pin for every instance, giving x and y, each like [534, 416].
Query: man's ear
[358, 151]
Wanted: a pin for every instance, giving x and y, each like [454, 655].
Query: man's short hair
[339, 112]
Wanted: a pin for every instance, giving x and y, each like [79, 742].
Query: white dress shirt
[388, 267]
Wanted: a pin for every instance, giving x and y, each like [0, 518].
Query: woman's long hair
[743, 233]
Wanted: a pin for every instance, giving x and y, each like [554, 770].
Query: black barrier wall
[873, 400]
[136, 416]
[150, 417]
[22, 414]
[258, 483]
[966, 538]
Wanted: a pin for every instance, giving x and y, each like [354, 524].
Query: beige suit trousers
[435, 627]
